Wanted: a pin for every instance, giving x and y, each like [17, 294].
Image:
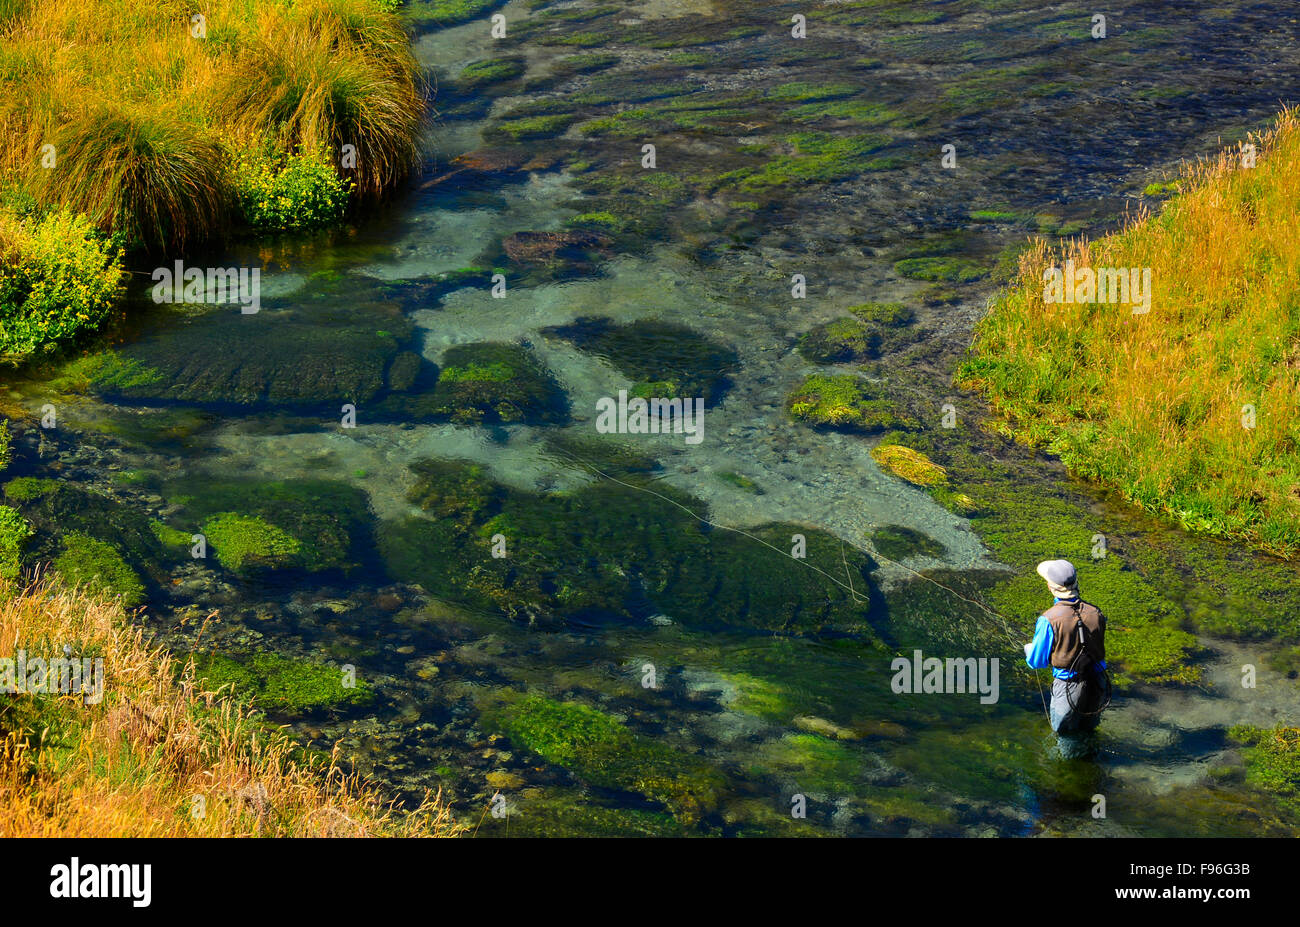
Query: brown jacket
[1064, 618]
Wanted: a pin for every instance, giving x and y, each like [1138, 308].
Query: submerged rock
[253, 526]
[612, 552]
[497, 383]
[311, 358]
[664, 359]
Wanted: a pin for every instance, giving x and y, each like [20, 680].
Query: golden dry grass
[144, 116]
[1157, 404]
[133, 764]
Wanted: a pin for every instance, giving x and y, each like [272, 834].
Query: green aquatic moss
[531, 127]
[663, 359]
[608, 455]
[941, 269]
[246, 542]
[909, 464]
[1145, 640]
[281, 684]
[170, 537]
[740, 481]
[333, 346]
[813, 764]
[898, 542]
[27, 488]
[803, 91]
[557, 812]
[449, 12]
[57, 509]
[583, 64]
[857, 111]
[608, 551]
[308, 524]
[762, 697]
[490, 382]
[1272, 761]
[490, 71]
[839, 341]
[99, 566]
[453, 489]
[902, 807]
[601, 751]
[888, 326]
[107, 371]
[885, 315]
[843, 401]
[818, 157]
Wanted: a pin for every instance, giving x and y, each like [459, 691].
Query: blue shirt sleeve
[1039, 654]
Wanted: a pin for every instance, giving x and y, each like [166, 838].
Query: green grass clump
[325, 74]
[151, 175]
[277, 192]
[843, 401]
[59, 279]
[98, 565]
[1187, 408]
[14, 534]
[119, 113]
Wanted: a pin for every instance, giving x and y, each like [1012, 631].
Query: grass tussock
[135, 111]
[1191, 408]
[134, 763]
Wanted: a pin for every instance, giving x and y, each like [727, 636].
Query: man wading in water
[1070, 637]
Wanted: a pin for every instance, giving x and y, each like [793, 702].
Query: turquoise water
[645, 557]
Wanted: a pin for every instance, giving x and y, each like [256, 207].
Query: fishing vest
[1064, 618]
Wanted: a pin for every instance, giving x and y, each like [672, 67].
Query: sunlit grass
[143, 105]
[157, 756]
[1160, 404]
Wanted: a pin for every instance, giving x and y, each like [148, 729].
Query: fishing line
[1004, 625]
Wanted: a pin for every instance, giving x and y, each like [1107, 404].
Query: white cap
[1058, 573]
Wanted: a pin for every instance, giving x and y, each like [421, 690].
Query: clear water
[1075, 133]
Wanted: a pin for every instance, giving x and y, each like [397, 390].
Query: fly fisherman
[1070, 638]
